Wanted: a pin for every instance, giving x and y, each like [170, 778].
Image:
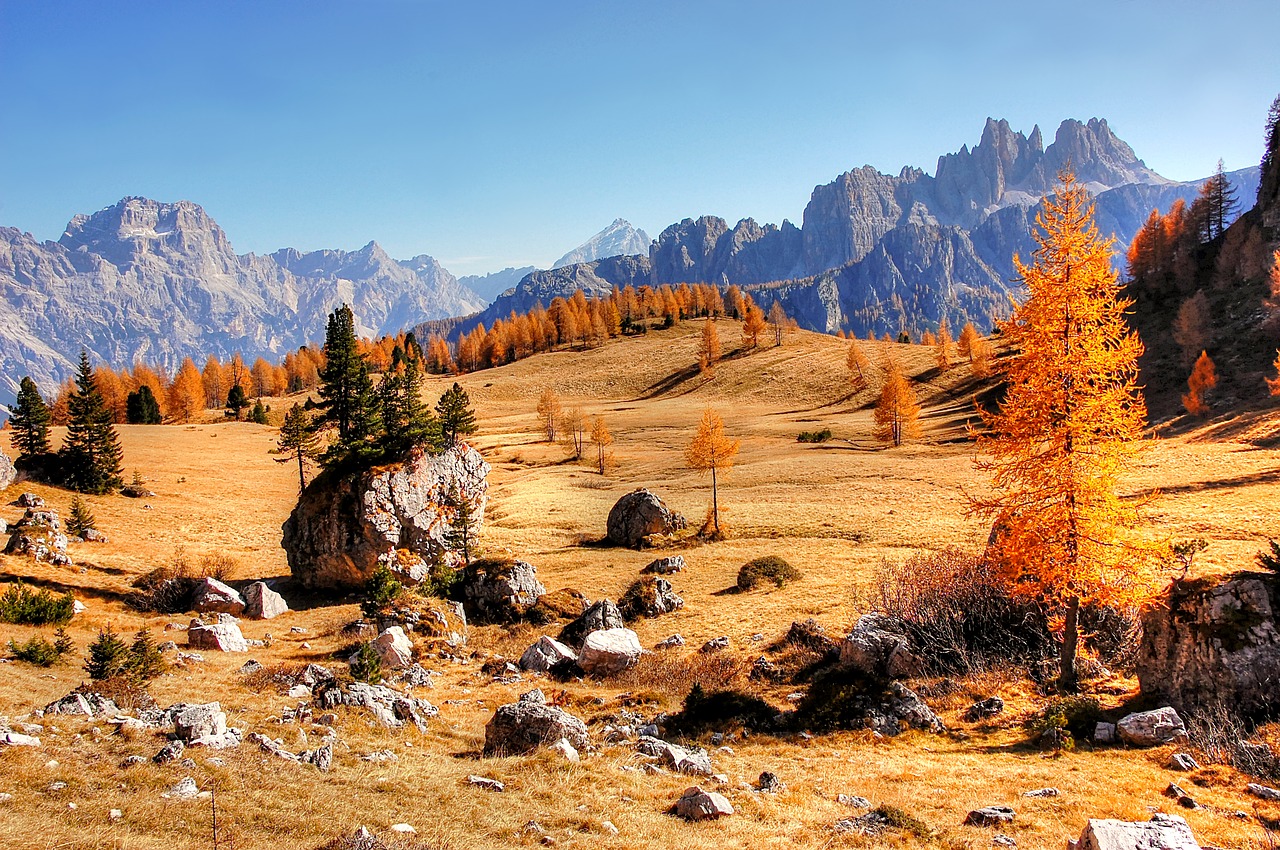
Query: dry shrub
[676, 676]
[957, 613]
[708, 531]
[1222, 737]
[167, 590]
[279, 677]
[125, 691]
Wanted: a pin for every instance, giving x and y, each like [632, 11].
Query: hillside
[836, 510]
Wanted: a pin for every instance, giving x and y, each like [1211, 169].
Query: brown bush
[676, 676]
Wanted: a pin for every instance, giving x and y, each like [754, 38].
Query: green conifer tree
[141, 407]
[144, 660]
[258, 415]
[461, 533]
[457, 419]
[237, 401]
[91, 453]
[29, 417]
[108, 656]
[297, 441]
[81, 519]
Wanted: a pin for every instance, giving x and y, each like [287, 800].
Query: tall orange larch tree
[1204, 377]
[857, 363]
[601, 438]
[1070, 425]
[942, 345]
[897, 413]
[711, 451]
[186, 393]
[753, 325]
[708, 347]
[964, 346]
[549, 413]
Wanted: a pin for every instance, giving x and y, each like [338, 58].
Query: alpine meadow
[945, 517]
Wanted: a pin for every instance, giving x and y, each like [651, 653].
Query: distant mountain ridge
[145, 280]
[883, 253]
[618, 239]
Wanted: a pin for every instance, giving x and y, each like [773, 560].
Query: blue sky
[496, 134]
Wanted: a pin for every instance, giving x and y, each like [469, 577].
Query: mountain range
[159, 281]
[885, 253]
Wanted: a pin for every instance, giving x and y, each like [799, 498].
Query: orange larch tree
[711, 451]
[709, 347]
[1070, 425]
[753, 325]
[1204, 377]
[897, 413]
[186, 393]
[942, 345]
[964, 347]
[601, 439]
[857, 363]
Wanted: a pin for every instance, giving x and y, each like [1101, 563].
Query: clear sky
[496, 134]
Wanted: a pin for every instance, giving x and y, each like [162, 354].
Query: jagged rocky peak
[1097, 155]
[618, 239]
[134, 227]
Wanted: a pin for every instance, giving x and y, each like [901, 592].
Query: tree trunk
[1070, 640]
[715, 507]
[302, 475]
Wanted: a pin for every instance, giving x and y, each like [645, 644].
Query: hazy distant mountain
[615, 240]
[158, 282]
[490, 286]
[889, 252]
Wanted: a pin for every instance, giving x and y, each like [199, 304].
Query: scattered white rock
[263, 603]
[608, 652]
[1263, 792]
[1151, 728]
[184, 790]
[544, 654]
[403, 829]
[485, 783]
[115, 815]
[394, 648]
[15, 739]
[1043, 792]
[565, 749]
[223, 636]
[696, 804]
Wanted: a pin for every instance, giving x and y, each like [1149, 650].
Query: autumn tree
[964, 346]
[709, 347]
[711, 451]
[1070, 424]
[601, 439]
[753, 325]
[1203, 378]
[90, 455]
[1215, 205]
[186, 393]
[1273, 384]
[573, 427]
[942, 345]
[1192, 328]
[777, 321]
[29, 418]
[214, 382]
[897, 413]
[858, 364]
[549, 412]
[297, 442]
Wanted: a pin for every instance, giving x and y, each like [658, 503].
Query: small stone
[1151, 728]
[769, 783]
[133, 761]
[1043, 792]
[5, 797]
[55, 787]
[115, 815]
[608, 827]
[1104, 733]
[1183, 762]
[989, 816]
[299, 692]
[565, 749]
[716, 644]
[184, 790]
[853, 802]
[984, 709]
[696, 804]
[1263, 792]
[1174, 791]
[1002, 840]
[672, 642]
[403, 829]
[171, 751]
[485, 783]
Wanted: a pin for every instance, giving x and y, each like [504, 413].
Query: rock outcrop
[524, 726]
[603, 614]
[609, 652]
[1151, 728]
[8, 473]
[342, 528]
[649, 597]
[1162, 832]
[639, 515]
[874, 649]
[222, 635]
[1216, 644]
[500, 590]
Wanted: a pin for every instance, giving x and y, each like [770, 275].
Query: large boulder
[1162, 832]
[696, 804]
[641, 514]
[221, 636]
[212, 596]
[394, 648]
[343, 527]
[872, 648]
[393, 710]
[609, 652]
[603, 614]
[39, 534]
[649, 597]
[500, 590]
[1215, 644]
[263, 603]
[545, 654]
[192, 722]
[1151, 728]
[8, 472]
[524, 726]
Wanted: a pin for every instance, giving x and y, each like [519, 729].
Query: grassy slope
[835, 509]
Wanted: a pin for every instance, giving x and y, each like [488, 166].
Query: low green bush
[37, 651]
[23, 606]
[1076, 716]
[769, 567]
[814, 436]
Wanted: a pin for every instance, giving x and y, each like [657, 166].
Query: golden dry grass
[835, 510]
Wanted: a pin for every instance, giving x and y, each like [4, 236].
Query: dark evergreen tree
[141, 407]
[340, 380]
[457, 419]
[90, 455]
[258, 415]
[461, 534]
[407, 423]
[297, 441]
[108, 656]
[237, 401]
[29, 417]
[145, 661]
[81, 519]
